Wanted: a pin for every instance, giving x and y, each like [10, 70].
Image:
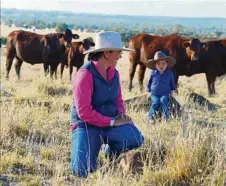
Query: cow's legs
[45, 57]
[70, 70]
[9, 62]
[53, 69]
[61, 70]
[10, 54]
[176, 78]
[18, 66]
[132, 71]
[211, 83]
[141, 73]
[46, 68]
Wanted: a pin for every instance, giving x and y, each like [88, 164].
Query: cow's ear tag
[203, 45]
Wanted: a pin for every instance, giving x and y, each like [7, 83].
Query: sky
[177, 8]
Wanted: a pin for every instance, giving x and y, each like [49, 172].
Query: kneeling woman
[97, 112]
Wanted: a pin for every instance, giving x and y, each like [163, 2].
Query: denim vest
[104, 95]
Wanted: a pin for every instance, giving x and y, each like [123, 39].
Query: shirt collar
[110, 70]
[163, 72]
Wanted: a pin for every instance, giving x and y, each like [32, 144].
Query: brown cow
[76, 56]
[212, 62]
[184, 50]
[34, 48]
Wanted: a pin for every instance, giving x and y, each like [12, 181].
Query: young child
[160, 84]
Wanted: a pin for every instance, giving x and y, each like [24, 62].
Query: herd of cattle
[192, 56]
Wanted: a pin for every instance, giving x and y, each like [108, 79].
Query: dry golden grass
[35, 137]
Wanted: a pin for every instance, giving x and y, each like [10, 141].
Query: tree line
[128, 26]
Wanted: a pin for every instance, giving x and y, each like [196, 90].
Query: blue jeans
[159, 103]
[86, 143]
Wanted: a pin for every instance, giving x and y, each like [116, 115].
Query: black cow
[212, 62]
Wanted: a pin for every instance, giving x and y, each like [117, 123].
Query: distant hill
[74, 18]
[127, 25]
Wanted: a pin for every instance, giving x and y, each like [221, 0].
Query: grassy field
[35, 137]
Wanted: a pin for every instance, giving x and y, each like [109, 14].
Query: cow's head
[82, 46]
[87, 43]
[223, 42]
[193, 47]
[67, 37]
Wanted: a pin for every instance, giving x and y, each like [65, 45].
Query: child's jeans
[159, 103]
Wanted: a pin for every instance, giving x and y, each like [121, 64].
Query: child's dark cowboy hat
[158, 57]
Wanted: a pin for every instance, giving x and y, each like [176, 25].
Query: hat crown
[108, 39]
[159, 55]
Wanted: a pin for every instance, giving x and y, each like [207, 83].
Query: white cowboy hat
[158, 57]
[106, 41]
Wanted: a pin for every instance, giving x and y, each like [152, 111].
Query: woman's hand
[123, 116]
[122, 119]
[119, 122]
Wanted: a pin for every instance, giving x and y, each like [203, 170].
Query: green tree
[2, 41]
[217, 33]
[178, 28]
[9, 22]
[53, 25]
[61, 27]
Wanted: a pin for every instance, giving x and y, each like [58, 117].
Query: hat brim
[170, 60]
[93, 50]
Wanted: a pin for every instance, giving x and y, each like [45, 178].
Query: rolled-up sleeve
[82, 85]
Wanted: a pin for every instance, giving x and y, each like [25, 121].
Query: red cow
[75, 56]
[184, 50]
[34, 48]
[212, 62]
